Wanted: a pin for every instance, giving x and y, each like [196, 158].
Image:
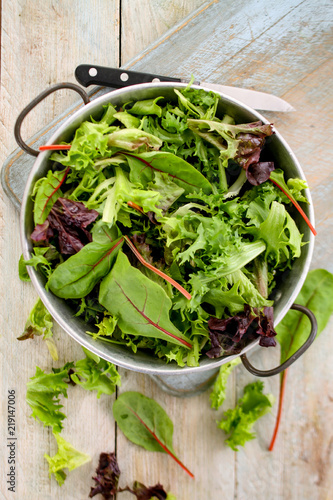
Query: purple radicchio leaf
[70, 219]
[107, 477]
[229, 336]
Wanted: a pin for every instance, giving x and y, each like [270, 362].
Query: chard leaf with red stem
[46, 192]
[278, 179]
[317, 295]
[141, 305]
[145, 423]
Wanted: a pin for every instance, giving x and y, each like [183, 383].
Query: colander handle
[37, 100]
[295, 356]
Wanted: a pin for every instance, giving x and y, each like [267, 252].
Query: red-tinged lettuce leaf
[107, 477]
[181, 172]
[143, 492]
[141, 305]
[42, 232]
[70, 219]
[230, 335]
[145, 423]
[257, 173]
[242, 143]
[40, 322]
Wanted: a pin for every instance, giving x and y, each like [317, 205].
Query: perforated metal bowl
[284, 294]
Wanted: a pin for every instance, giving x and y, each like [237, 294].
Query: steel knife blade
[88, 74]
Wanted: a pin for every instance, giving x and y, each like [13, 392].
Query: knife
[87, 74]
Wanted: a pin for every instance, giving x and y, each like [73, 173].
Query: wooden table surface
[283, 48]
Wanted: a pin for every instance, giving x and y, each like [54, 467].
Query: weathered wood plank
[287, 53]
[41, 44]
[248, 44]
[143, 22]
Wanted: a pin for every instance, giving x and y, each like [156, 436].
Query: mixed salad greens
[167, 227]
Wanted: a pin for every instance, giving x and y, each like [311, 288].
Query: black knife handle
[88, 74]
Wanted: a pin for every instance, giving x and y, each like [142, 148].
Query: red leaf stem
[52, 147]
[135, 206]
[294, 202]
[157, 271]
[278, 416]
[162, 445]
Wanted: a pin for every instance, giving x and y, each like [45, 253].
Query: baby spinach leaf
[141, 305]
[144, 165]
[317, 295]
[77, 276]
[67, 457]
[145, 423]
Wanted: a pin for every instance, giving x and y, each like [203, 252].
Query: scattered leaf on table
[145, 423]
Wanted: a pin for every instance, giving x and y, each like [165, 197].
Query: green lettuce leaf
[132, 139]
[218, 394]
[43, 393]
[280, 234]
[95, 374]
[146, 107]
[40, 322]
[145, 423]
[22, 269]
[67, 457]
[238, 422]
